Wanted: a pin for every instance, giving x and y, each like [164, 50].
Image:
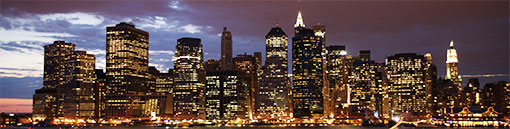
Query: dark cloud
[11, 87]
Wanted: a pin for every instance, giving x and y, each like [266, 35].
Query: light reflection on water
[255, 127]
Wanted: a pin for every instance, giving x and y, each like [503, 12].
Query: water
[255, 127]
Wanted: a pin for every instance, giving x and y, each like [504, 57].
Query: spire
[451, 44]
[224, 29]
[299, 20]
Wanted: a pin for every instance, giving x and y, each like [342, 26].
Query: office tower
[127, 63]
[164, 86]
[100, 93]
[431, 79]
[248, 67]
[276, 45]
[452, 72]
[365, 80]
[497, 95]
[442, 95]
[336, 76]
[273, 94]
[48, 101]
[158, 99]
[78, 92]
[406, 74]
[227, 96]
[189, 99]
[472, 93]
[226, 49]
[307, 62]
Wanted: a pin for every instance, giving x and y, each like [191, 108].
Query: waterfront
[253, 127]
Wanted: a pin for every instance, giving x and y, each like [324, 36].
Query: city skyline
[245, 42]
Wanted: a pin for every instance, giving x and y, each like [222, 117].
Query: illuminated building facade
[472, 93]
[273, 94]
[336, 76]
[48, 101]
[452, 72]
[227, 96]
[307, 62]
[365, 80]
[100, 93]
[497, 95]
[406, 75]
[189, 90]
[276, 45]
[158, 100]
[127, 63]
[249, 68]
[430, 81]
[226, 49]
[79, 94]
[442, 96]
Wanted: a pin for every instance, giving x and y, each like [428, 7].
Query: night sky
[480, 30]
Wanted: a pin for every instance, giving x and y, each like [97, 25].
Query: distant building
[226, 49]
[79, 94]
[307, 61]
[69, 88]
[497, 95]
[452, 72]
[273, 94]
[365, 80]
[407, 91]
[276, 45]
[49, 100]
[127, 64]
[189, 90]
[100, 93]
[472, 94]
[337, 63]
[227, 96]
[249, 67]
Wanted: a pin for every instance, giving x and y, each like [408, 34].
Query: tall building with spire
[299, 20]
[226, 49]
[307, 69]
[452, 70]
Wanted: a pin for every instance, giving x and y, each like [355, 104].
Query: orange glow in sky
[15, 105]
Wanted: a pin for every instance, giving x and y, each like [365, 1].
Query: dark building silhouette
[226, 49]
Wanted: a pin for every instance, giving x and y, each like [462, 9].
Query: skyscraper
[48, 101]
[249, 66]
[227, 95]
[226, 49]
[336, 76]
[79, 92]
[127, 63]
[406, 74]
[189, 99]
[273, 93]
[472, 93]
[276, 45]
[452, 72]
[307, 62]
[365, 80]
